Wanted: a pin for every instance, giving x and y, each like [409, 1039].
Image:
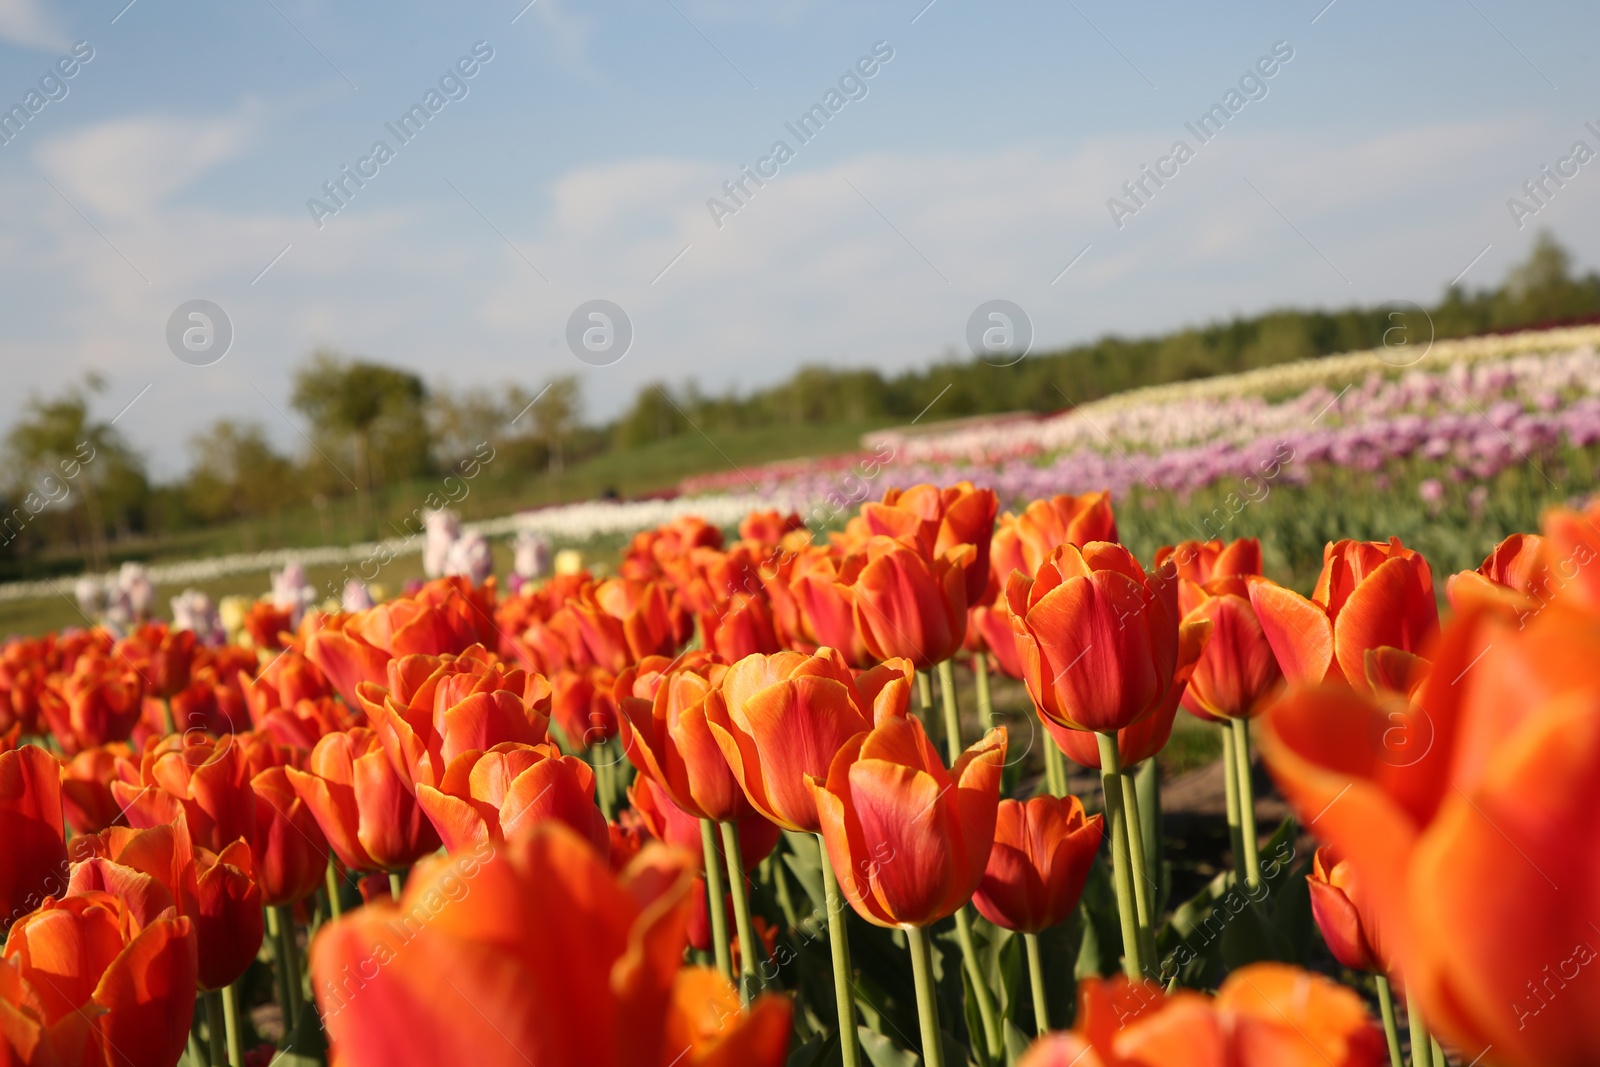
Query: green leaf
[809, 1054]
[884, 1052]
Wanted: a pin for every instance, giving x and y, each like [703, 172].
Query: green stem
[980, 985]
[600, 755]
[925, 695]
[397, 884]
[1421, 1040]
[1230, 775]
[839, 940]
[1122, 859]
[289, 962]
[230, 1017]
[166, 716]
[1438, 1054]
[216, 1028]
[335, 905]
[748, 943]
[952, 717]
[1055, 767]
[1247, 803]
[1142, 892]
[927, 999]
[1041, 1005]
[980, 678]
[714, 904]
[280, 973]
[1390, 1031]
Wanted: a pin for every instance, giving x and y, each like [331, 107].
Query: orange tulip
[911, 606]
[1334, 904]
[99, 702]
[229, 922]
[362, 804]
[780, 720]
[1023, 542]
[503, 792]
[1264, 1015]
[939, 521]
[989, 630]
[583, 704]
[909, 839]
[1513, 574]
[33, 851]
[740, 626]
[667, 736]
[437, 707]
[823, 586]
[153, 870]
[445, 616]
[86, 786]
[1467, 817]
[267, 626]
[289, 849]
[208, 779]
[1571, 548]
[1100, 643]
[162, 657]
[1042, 853]
[1194, 563]
[108, 988]
[1236, 675]
[596, 987]
[664, 820]
[1370, 596]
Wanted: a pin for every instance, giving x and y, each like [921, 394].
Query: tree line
[369, 425]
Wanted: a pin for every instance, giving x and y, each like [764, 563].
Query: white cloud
[123, 168]
[24, 22]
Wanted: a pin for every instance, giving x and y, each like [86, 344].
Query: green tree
[376, 408]
[556, 414]
[238, 474]
[58, 438]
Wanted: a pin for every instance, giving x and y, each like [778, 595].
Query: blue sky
[579, 162]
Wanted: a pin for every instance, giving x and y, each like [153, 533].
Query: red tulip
[594, 988]
[1370, 596]
[1042, 853]
[289, 850]
[106, 988]
[96, 704]
[1346, 922]
[362, 804]
[229, 923]
[162, 657]
[33, 851]
[1236, 675]
[910, 606]
[86, 786]
[780, 720]
[1100, 643]
[909, 839]
[503, 792]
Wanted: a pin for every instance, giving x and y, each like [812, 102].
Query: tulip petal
[1298, 630]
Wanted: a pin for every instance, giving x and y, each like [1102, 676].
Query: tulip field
[751, 798]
